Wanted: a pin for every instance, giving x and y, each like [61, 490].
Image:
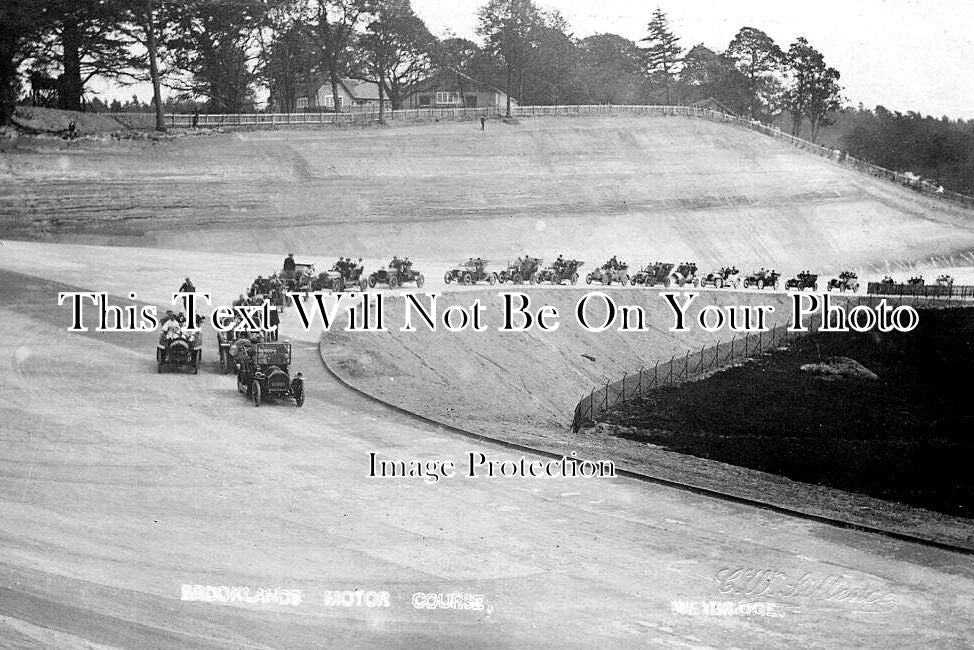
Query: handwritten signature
[833, 590]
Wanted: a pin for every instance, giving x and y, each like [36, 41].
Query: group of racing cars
[531, 270]
[261, 363]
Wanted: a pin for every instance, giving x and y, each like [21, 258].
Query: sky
[907, 55]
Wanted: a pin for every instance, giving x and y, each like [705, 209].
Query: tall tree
[758, 57]
[706, 73]
[813, 87]
[662, 51]
[823, 99]
[507, 26]
[287, 54]
[148, 25]
[549, 75]
[22, 25]
[335, 23]
[610, 70]
[216, 50]
[395, 50]
[288, 63]
[88, 43]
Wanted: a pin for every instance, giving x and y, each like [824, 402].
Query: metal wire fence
[696, 364]
[944, 292]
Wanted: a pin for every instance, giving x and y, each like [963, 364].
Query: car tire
[467, 279]
[447, 277]
[760, 284]
[255, 392]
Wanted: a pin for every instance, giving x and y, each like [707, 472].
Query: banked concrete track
[121, 485]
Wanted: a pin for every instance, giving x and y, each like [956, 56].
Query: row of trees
[221, 52]
[937, 148]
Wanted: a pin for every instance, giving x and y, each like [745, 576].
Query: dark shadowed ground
[905, 436]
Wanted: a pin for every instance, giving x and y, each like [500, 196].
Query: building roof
[712, 102]
[454, 74]
[361, 89]
[355, 88]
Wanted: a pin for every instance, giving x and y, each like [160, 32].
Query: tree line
[215, 55]
[218, 53]
[934, 148]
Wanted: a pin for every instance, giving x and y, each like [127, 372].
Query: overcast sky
[903, 54]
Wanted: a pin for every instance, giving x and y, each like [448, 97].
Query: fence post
[686, 367]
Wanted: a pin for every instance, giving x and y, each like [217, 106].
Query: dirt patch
[839, 368]
[37, 119]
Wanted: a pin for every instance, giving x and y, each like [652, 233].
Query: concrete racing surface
[124, 492]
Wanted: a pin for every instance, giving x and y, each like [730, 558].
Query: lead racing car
[178, 347]
[263, 372]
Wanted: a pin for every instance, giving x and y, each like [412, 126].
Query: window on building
[447, 98]
[425, 100]
[470, 101]
[302, 102]
[330, 101]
